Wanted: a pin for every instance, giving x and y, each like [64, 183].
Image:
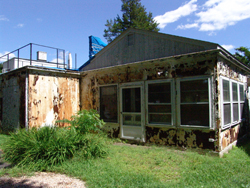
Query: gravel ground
[41, 180]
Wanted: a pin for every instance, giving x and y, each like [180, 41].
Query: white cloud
[5, 58]
[173, 16]
[228, 47]
[20, 25]
[188, 26]
[219, 14]
[39, 20]
[3, 18]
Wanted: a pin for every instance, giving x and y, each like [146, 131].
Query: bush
[48, 146]
[95, 145]
[42, 147]
[85, 121]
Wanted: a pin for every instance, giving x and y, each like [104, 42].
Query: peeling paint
[52, 98]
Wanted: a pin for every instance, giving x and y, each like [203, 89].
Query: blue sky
[66, 24]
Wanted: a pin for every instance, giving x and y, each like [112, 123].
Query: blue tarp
[95, 45]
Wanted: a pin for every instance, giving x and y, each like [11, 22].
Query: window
[160, 103]
[232, 101]
[194, 102]
[108, 103]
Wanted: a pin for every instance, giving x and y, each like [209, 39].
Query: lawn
[153, 166]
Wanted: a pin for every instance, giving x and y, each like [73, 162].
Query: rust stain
[59, 97]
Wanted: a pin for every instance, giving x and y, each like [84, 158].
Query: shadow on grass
[9, 183]
[244, 143]
[4, 164]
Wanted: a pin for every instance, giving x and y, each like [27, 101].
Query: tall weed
[42, 147]
[85, 121]
[95, 145]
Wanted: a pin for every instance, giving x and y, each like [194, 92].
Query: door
[132, 111]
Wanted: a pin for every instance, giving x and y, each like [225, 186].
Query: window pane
[235, 91]
[235, 112]
[227, 114]
[159, 93]
[160, 119]
[241, 109]
[226, 94]
[194, 91]
[195, 114]
[159, 108]
[108, 103]
[241, 93]
[132, 119]
[131, 100]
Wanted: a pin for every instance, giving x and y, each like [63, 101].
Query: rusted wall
[13, 100]
[231, 134]
[52, 97]
[181, 66]
[180, 137]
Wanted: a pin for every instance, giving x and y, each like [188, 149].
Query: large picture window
[160, 103]
[232, 101]
[108, 103]
[194, 102]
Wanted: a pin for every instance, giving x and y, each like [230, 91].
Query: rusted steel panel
[229, 136]
[180, 137]
[112, 129]
[52, 98]
[13, 100]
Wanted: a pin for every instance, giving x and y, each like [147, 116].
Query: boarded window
[108, 103]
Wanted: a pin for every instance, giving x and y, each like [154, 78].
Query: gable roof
[148, 45]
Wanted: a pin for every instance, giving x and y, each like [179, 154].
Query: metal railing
[58, 56]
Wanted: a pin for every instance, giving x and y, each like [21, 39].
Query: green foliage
[42, 147]
[95, 145]
[134, 16]
[142, 166]
[85, 121]
[243, 55]
[48, 146]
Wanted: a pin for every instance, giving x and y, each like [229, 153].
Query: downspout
[27, 100]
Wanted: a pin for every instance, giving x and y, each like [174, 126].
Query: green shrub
[95, 145]
[42, 147]
[47, 146]
[85, 121]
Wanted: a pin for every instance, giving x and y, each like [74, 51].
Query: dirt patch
[41, 180]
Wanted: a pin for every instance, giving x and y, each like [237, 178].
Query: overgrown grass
[42, 148]
[142, 166]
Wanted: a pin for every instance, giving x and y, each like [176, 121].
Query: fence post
[57, 57]
[18, 58]
[64, 64]
[30, 53]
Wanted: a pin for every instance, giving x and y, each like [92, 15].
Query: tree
[243, 55]
[134, 16]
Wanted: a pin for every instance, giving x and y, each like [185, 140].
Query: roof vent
[42, 56]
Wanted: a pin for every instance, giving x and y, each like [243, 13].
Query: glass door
[132, 121]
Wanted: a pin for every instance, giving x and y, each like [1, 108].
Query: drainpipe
[27, 100]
